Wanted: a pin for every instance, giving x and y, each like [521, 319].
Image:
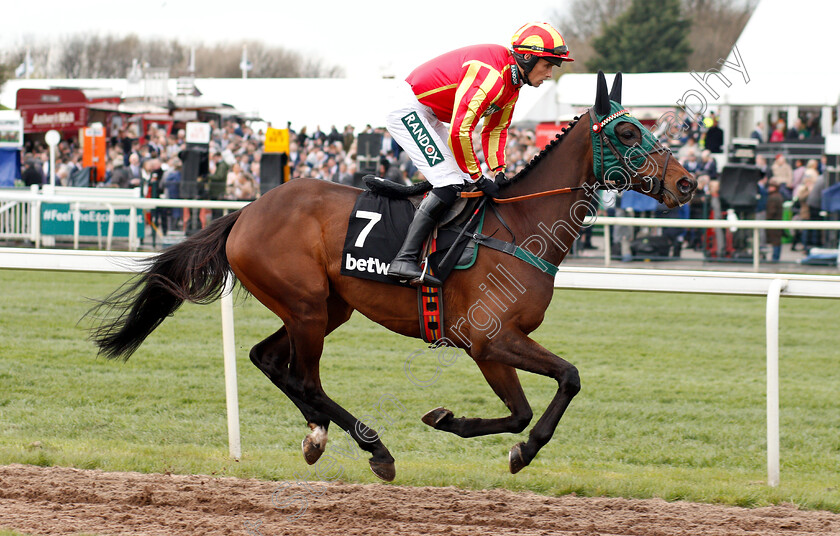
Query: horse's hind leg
[505, 383]
[273, 356]
[307, 331]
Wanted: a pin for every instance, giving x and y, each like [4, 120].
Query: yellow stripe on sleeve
[463, 126]
[494, 139]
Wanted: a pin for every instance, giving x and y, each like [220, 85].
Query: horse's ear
[615, 92]
[602, 98]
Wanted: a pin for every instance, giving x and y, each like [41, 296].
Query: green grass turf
[672, 406]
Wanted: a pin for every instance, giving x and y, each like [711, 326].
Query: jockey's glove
[501, 181]
[487, 186]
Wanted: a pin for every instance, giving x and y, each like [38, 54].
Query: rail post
[607, 245]
[773, 294]
[229, 350]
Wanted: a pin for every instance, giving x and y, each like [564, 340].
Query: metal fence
[29, 204]
[110, 199]
[15, 218]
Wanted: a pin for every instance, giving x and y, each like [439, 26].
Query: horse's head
[627, 156]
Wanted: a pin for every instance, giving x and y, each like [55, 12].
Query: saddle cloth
[378, 224]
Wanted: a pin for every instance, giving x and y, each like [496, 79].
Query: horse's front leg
[515, 349]
[505, 383]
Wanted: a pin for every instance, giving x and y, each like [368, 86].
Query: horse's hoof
[436, 416]
[384, 470]
[313, 445]
[515, 458]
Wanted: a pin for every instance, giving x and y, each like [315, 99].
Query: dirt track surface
[54, 500]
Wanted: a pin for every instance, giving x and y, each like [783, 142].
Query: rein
[527, 196]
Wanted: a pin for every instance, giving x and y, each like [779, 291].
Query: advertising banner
[93, 149]
[277, 140]
[198, 132]
[57, 220]
[11, 129]
[52, 109]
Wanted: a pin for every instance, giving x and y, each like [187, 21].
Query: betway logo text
[370, 264]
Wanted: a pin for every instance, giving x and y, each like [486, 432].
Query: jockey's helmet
[540, 40]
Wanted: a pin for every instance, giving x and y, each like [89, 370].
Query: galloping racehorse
[294, 270]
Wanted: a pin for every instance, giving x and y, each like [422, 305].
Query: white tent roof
[790, 38]
[783, 68]
[303, 101]
[645, 89]
[666, 89]
[536, 105]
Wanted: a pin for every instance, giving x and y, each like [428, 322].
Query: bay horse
[294, 270]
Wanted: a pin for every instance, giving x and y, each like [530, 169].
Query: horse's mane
[551, 145]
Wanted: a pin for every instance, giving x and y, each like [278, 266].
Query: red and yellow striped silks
[463, 86]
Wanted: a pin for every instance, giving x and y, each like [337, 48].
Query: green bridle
[619, 164]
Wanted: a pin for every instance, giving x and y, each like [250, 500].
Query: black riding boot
[405, 266]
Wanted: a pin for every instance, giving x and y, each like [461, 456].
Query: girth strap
[516, 251]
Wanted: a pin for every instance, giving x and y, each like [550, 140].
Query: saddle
[457, 215]
[380, 220]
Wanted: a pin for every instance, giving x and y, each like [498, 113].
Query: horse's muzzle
[686, 185]
[685, 188]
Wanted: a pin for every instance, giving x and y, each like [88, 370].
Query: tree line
[111, 56]
[643, 36]
[612, 35]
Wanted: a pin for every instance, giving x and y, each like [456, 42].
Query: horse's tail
[193, 270]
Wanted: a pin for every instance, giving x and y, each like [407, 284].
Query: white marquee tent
[302, 101]
[782, 61]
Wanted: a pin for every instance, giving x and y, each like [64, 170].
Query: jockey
[459, 88]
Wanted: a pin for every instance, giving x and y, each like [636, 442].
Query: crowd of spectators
[796, 183]
[333, 156]
[235, 154]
